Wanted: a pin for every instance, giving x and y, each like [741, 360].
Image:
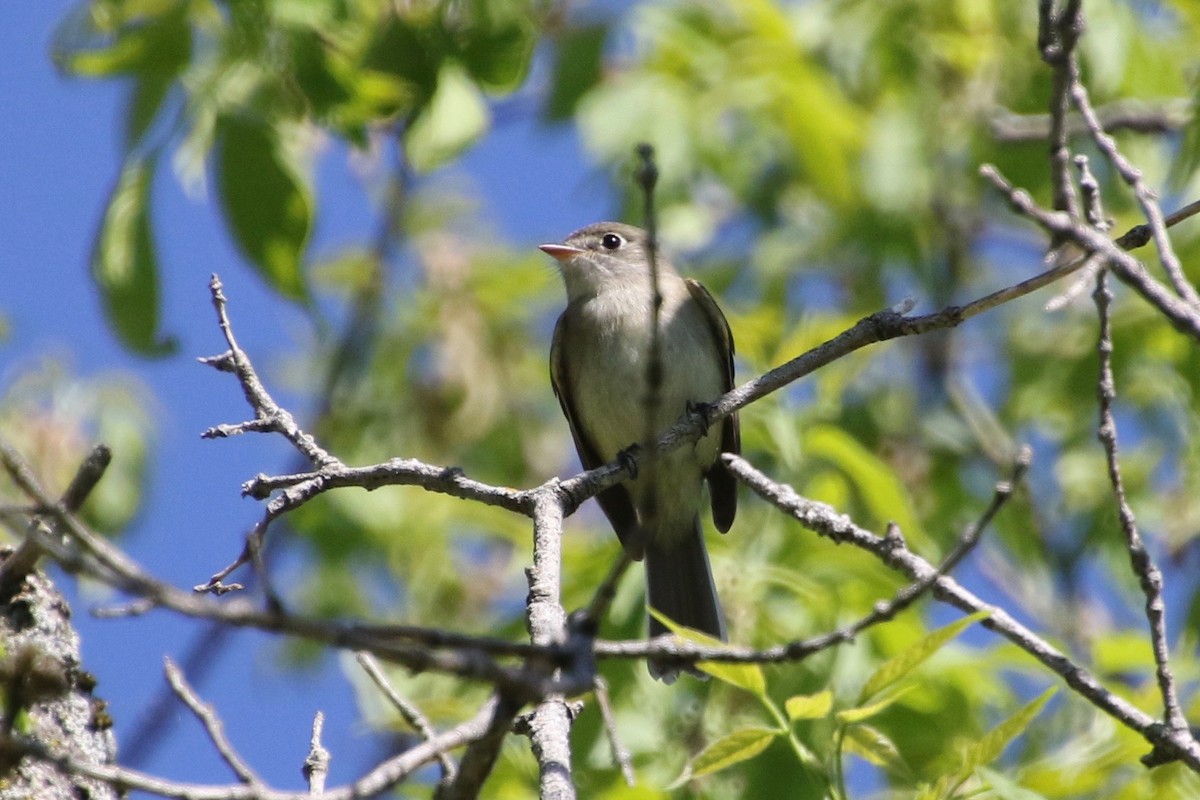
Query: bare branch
[825, 521]
[1123, 115]
[212, 725]
[1145, 196]
[495, 722]
[550, 725]
[620, 755]
[1147, 572]
[1182, 316]
[269, 415]
[1057, 36]
[412, 715]
[316, 763]
[382, 777]
[25, 558]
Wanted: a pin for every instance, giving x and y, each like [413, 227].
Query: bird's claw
[628, 459]
[702, 410]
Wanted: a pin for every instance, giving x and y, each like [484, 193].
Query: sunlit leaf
[850, 716]
[454, 118]
[989, 748]
[267, 206]
[744, 676]
[905, 662]
[809, 706]
[873, 745]
[732, 748]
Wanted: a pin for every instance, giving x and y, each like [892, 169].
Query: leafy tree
[817, 162]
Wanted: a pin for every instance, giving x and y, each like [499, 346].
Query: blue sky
[61, 154]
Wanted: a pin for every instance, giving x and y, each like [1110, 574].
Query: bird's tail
[679, 585]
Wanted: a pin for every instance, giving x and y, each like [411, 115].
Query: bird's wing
[721, 483]
[614, 501]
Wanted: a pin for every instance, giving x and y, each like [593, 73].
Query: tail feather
[679, 585]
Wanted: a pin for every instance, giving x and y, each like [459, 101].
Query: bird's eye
[611, 241]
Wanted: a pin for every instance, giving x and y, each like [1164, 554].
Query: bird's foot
[628, 459]
[702, 410]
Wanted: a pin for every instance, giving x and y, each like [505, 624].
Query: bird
[599, 361]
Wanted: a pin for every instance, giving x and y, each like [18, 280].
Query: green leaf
[877, 484]
[851, 716]
[124, 262]
[809, 706]
[905, 662]
[577, 68]
[149, 92]
[268, 208]
[496, 46]
[454, 118]
[159, 43]
[1005, 788]
[871, 743]
[734, 747]
[989, 748]
[411, 49]
[744, 676]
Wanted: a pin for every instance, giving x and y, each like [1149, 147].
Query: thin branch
[647, 178]
[379, 779]
[1184, 317]
[826, 521]
[24, 559]
[620, 754]
[1057, 35]
[472, 656]
[412, 715]
[316, 763]
[1145, 196]
[1147, 572]
[1123, 115]
[477, 762]
[607, 590]
[682, 653]
[212, 725]
[269, 415]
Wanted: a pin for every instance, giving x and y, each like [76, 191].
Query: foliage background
[370, 182]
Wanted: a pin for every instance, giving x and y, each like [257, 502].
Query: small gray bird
[598, 365]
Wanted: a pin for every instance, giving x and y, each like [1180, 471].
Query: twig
[1122, 115]
[269, 415]
[212, 725]
[495, 720]
[1057, 35]
[379, 779]
[1184, 317]
[825, 521]
[1145, 196]
[683, 653]
[607, 590]
[412, 715]
[316, 763]
[621, 756]
[647, 178]
[1147, 572]
[24, 559]
[1094, 213]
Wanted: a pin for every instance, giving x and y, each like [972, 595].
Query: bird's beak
[560, 252]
